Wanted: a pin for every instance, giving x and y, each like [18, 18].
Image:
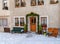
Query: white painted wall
[50, 10]
[59, 13]
[4, 13]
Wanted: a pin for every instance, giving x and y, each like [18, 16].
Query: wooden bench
[53, 32]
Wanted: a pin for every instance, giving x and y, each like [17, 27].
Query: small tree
[25, 28]
[40, 29]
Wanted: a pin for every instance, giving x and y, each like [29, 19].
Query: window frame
[21, 3]
[47, 21]
[53, 2]
[19, 20]
[34, 3]
[5, 6]
[2, 22]
[37, 2]
[41, 2]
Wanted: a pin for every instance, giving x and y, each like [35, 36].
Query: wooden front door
[33, 24]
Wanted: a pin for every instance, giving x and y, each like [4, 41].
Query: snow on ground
[9, 38]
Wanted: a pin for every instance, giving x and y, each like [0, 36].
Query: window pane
[0, 22]
[23, 3]
[44, 21]
[53, 1]
[20, 3]
[33, 2]
[17, 2]
[40, 2]
[16, 22]
[21, 21]
[4, 22]
[5, 7]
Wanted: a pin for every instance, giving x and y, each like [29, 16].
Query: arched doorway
[32, 21]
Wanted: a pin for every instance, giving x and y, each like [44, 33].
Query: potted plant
[17, 4]
[25, 28]
[40, 29]
[45, 33]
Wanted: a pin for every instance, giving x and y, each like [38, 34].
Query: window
[37, 2]
[23, 4]
[17, 3]
[5, 6]
[40, 2]
[16, 21]
[3, 22]
[44, 23]
[33, 2]
[19, 21]
[53, 1]
[20, 3]
[43, 20]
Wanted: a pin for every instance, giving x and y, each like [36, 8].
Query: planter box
[6, 29]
